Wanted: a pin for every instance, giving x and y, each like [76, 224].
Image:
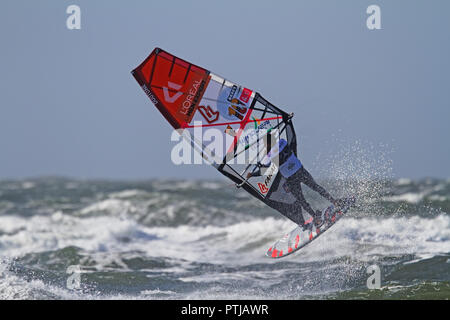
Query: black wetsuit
[295, 175]
[294, 184]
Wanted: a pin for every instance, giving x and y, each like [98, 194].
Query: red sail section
[174, 85]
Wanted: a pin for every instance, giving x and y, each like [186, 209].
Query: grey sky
[69, 105]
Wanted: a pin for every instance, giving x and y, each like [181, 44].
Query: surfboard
[305, 234]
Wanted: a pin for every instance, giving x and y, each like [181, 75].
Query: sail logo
[269, 174]
[263, 188]
[230, 106]
[150, 95]
[237, 109]
[173, 86]
[188, 107]
[207, 113]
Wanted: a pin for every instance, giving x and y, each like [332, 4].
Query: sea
[65, 238]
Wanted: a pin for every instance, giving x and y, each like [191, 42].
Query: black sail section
[270, 187]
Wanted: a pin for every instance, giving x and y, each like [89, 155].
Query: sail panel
[232, 126]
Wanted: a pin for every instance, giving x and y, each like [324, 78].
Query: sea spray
[360, 168]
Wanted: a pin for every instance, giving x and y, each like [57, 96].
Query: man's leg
[307, 179]
[294, 185]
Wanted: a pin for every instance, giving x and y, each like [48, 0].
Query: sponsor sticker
[232, 92]
[263, 188]
[230, 106]
[269, 175]
[245, 95]
[189, 103]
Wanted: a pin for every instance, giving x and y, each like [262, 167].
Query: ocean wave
[170, 239]
[243, 241]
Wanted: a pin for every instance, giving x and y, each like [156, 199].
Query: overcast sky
[69, 105]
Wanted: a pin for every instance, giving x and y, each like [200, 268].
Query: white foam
[438, 198]
[240, 243]
[128, 193]
[13, 287]
[157, 292]
[403, 181]
[407, 197]
[112, 206]
[27, 185]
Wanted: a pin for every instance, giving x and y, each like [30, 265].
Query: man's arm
[257, 173]
[271, 152]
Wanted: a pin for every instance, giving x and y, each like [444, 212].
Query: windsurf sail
[193, 98]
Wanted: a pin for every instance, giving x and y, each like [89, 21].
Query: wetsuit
[292, 169]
